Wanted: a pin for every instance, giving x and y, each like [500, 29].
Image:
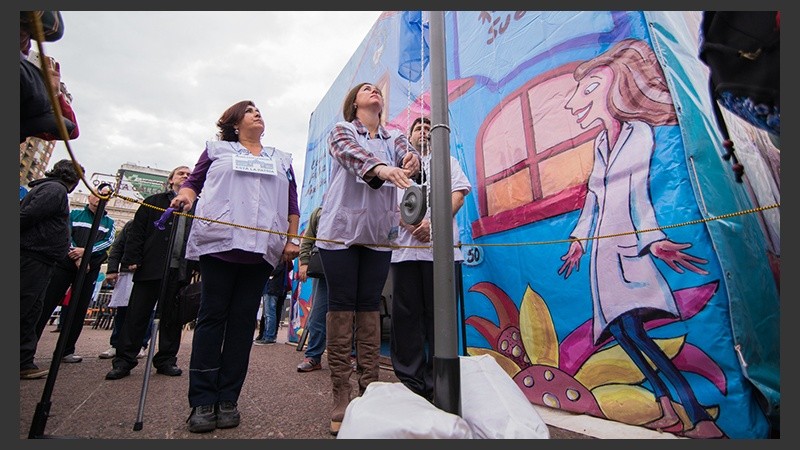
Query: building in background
[34, 156]
[132, 184]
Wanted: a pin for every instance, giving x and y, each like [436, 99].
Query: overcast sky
[148, 87]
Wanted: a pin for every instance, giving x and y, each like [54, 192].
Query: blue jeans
[316, 321]
[271, 327]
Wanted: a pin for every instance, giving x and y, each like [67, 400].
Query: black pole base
[447, 384]
[39, 420]
[138, 426]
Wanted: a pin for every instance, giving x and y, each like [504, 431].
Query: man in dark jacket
[123, 284]
[44, 239]
[66, 271]
[145, 254]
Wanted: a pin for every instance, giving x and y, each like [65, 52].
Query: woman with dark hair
[357, 225]
[247, 188]
[44, 239]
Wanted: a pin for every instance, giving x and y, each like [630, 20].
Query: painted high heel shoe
[669, 421]
[705, 429]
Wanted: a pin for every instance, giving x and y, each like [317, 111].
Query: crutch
[161, 225]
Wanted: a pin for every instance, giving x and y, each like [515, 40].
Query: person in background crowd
[274, 296]
[412, 278]
[245, 183]
[36, 115]
[80, 224]
[357, 226]
[315, 324]
[145, 255]
[43, 241]
[122, 283]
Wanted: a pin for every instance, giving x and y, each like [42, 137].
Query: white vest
[243, 198]
[353, 212]
[458, 182]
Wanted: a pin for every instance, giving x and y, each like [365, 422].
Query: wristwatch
[295, 241]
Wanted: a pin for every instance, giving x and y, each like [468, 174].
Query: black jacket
[146, 246]
[115, 254]
[44, 220]
[279, 283]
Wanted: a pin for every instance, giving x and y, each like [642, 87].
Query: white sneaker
[72, 358]
[142, 354]
[108, 354]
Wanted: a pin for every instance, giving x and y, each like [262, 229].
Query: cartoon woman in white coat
[624, 90]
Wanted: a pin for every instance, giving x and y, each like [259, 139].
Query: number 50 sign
[472, 255]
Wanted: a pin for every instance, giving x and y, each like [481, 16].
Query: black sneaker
[202, 419]
[170, 370]
[227, 414]
[118, 372]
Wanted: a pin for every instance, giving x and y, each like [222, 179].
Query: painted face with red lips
[588, 102]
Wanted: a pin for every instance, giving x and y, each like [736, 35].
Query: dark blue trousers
[223, 336]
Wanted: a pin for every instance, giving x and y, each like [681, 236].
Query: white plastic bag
[493, 405]
[392, 411]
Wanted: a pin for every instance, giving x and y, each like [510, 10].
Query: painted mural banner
[613, 267]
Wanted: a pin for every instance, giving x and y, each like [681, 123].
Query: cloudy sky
[148, 87]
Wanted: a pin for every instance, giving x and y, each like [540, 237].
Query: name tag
[254, 164]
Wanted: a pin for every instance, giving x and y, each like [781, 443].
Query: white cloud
[148, 87]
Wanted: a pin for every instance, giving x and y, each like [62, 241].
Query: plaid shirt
[344, 147]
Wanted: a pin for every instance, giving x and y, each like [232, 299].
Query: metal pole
[446, 370]
[177, 222]
[39, 421]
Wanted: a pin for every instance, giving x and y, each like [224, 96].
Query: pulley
[414, 204]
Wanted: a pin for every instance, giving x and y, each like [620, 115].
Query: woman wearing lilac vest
[244, 184]
[358, 224]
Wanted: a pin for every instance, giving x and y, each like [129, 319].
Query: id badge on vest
[254, 164]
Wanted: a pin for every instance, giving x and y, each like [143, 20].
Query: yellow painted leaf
[624, 403]
[538, 331]
[614, 366]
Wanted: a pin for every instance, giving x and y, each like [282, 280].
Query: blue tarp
[590, 234]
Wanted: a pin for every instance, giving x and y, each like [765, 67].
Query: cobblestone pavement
[277, 402]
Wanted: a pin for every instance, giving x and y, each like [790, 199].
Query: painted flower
[578, 375]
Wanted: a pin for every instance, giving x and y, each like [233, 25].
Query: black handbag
[315, 265]
[189, 301]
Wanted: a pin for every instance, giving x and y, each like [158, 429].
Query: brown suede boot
[368, 348]
[339, 336]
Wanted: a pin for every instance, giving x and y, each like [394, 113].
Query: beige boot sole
[335, 427]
